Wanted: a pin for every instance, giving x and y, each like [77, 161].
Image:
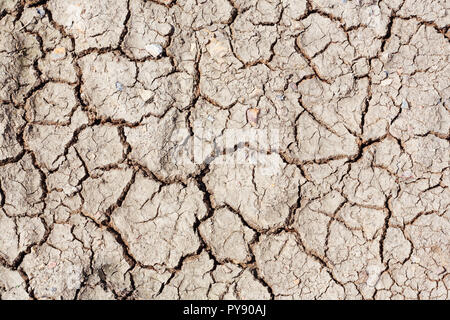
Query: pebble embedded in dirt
[154, 49]
[252, 116]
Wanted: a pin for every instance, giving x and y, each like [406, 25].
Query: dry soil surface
[224, 149]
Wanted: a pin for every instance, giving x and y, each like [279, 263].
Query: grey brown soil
[103, 100]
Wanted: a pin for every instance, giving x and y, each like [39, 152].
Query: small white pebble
[154, 49]
[58, 53]
[41, 12]
[404, 104]
[252, 116]
[119, 86]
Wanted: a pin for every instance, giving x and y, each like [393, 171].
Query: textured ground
[105, 103]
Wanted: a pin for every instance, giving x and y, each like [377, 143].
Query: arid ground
[224, 149]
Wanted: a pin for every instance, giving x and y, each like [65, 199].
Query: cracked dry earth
[94, 94]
